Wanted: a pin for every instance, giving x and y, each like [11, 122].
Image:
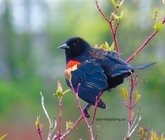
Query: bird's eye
[74, 44]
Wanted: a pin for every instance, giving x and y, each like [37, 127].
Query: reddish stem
[60, 117]
[95, 110]
[110, 22]
[130, 102]
[67, 132]
[142, 46]
[71, 129]
[81, 110]
[101, 12]
[39, 132]
[114, 38]
[163, 21]
[117, 26]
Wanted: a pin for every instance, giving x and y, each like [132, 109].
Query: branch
[81, 110]
[38, 127]
[134, 126]
[98, 129]
[69, 130]
[111, 24]
[101, 12]
[142, 46]
[114, 37]
[130, 103]
[52, 122]
[163, 22]
[95, 110]
[60, 116]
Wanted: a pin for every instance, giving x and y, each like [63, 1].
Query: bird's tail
[143, 66]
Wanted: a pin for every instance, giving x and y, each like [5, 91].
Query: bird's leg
[86, 109]
[95, 109]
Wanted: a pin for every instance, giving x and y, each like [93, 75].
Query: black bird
[97, 70]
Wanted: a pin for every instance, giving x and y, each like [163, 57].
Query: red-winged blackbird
[96, 70]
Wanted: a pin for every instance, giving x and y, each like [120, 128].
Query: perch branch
[52, 122]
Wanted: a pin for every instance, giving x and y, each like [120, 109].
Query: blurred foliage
[30, 62]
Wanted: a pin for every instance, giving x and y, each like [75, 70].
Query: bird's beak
[64, 46]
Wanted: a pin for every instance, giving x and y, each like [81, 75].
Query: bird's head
[75, 46]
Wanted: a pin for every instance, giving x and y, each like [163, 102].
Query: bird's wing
[92, 81]
[115, 66]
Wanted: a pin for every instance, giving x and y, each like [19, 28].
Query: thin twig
[38, 125]
[163, 22]
[113, 31]
[142, 46]
[134, 126]
[137, 116]
[114, 38]
[101, 12]
[97, 132]
[43, 106]
[95, 110]
[52, 123]
[81, 110]
[69, 130]
[117, 26]
[60, 116]
[39, 132]
[130, 102]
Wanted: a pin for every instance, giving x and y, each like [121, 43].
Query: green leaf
[38, 123]
[2, 137]
[106, 46]
[117, 4]
[124, 93]
[59, 86]
[66, 91]
[158, 26]
[116, 17]
[59, 92]
[137, 96]
[114, 3]
[121, 15]
[121, 3]
[69, 125]
[112, 47]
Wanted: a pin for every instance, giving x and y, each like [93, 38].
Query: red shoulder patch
[71, 66]
[72, 63]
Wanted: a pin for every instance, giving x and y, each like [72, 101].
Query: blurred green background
[31, 30]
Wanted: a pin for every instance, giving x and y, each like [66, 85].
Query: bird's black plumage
[97, 70]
